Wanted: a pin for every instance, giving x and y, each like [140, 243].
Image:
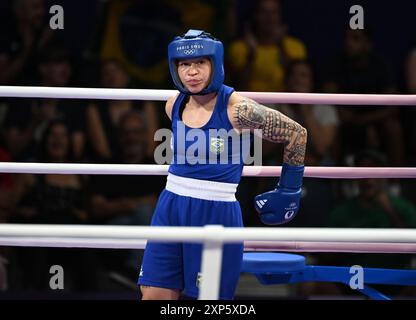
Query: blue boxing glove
[281, 204]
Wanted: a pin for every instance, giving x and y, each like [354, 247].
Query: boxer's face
[195, 74]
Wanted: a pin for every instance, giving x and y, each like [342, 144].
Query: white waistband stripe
[201, 189]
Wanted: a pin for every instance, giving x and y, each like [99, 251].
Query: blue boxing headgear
[197, 44]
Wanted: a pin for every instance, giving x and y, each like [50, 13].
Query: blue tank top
[214, 152]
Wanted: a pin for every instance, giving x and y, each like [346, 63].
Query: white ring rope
[316, 246]
[210, 233]
[213, 238]
[287, 246]
[248, 171]
[163, 95]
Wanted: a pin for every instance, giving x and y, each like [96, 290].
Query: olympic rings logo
[189, 51]
[289, 214]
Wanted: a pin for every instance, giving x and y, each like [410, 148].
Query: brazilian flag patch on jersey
[216, 145]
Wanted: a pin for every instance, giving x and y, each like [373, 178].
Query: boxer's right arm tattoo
[275, 127]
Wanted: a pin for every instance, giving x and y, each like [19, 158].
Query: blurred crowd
[122, 44]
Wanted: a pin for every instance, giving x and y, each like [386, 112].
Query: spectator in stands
[258, 59]
[20, 41]
[374, 206]
[359, 69]
[103, 116]
[26, 119]
[51, 199]
[126, 199]
[321, 121]
[409, 114]
[408, 120]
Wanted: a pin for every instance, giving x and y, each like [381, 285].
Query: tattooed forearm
[275, 127]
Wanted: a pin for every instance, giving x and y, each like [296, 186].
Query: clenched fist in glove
[281, 204]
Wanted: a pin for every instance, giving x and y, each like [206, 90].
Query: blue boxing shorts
[189, 202]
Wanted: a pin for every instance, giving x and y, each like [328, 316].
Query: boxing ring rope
[263, 246]
[248, 171]
[199, 234]
[163, 95]
[213, 237]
